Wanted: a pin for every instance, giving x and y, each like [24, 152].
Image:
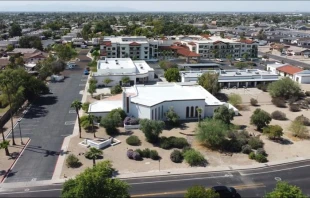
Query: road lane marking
[85, 79]
[69, 122]
[72, 111]
[82, 85]
[31, 191]
[245, 174]
[239, 187]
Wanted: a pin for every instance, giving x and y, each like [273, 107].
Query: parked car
[57, 78]
[225, 191]
[219, 60]
[86, 72]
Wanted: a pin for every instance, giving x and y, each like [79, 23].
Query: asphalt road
[49, 120]
[286, 60]
[249, 183]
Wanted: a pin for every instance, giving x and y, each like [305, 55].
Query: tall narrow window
[196, 112]
[192, 111]
[155, 113]
[162, 111]
[127, 104]
[159, 113]
[187, 112]
[152, 114]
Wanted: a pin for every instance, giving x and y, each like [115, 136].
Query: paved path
[49, 120]
[248, 182]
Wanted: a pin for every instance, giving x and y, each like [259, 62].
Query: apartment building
[134, 47]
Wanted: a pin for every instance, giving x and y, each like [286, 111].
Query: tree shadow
[222, 97]
[126, 133]
[45, 100]
[2, 172]
[36, 112]
[283, 141]
[11, 174]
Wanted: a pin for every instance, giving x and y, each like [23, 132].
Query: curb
[11, 167]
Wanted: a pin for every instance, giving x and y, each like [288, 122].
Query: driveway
[49, 120]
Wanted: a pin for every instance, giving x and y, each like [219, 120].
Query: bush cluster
[258, 157]
[262, 87]
[278, 115]
[131, 121]
[246, 149]
[304, 120]
[133, 140]
[255, 143]
[307, 93]
[133, 155]
[253, 102]
[173, 142]
[294, 108]
[72, 161]
[138, 154]
[278, 102]
[194, 158]
[237, 139]
[176, 156]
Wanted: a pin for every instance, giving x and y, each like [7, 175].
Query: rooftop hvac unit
[256, 72]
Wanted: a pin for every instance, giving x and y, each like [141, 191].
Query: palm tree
[94, 153]
[7, 153]
[88, 121]
[77, 105]
[4, 145]
[107, 81]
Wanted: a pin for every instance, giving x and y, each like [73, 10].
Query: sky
[149, 6]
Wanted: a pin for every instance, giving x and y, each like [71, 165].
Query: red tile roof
[192, 43]
[289, 69]
[177, 42]
[134, 44]
[215, 42]
[106, 43]
[246, 41]
[187, 53]
[206, 35]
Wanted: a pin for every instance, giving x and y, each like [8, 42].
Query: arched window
[192, 111]
[187, 112]
[196, 112]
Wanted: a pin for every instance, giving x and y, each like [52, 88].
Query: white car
[218, 59]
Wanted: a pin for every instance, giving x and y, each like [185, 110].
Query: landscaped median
[7, 162]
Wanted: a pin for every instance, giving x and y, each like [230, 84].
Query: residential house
[288, 71]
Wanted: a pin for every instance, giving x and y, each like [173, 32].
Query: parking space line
[69, 122]
[81, 85]
[72, 111]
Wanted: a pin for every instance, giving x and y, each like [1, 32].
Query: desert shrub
[292, 99]
[278, 102]
[173, 142]
[130, 153]
[136, 156]
[303, 104]
[72, 161]
[165, 143]
[307, 93]
[261, 151]
[273, 131]
[294, 108]
[278, 115]
[252, 155]
[298, 129]
[307, 100]
[154, 155]
[234, 99]
[255, 142]
[140, 152]
[304, 120]
[117, 89]
[246, 149]
[146, 153]
[194, 158]
[176, 156]
[133, 140]
[185, 149]
[131, 121]
[261, 158]
[233, 145]
[253, 102]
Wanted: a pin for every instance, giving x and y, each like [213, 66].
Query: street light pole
[158, 164]
[20, 133]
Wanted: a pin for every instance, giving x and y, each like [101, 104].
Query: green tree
[245, 56]
[194, 158]
[211, 133]
[92, 89]
[260, 118]
[298, 129]
[10, 48]
[229, 57]
[234, 99]
[93, 154]
[5, 145]
[87, 122]
[241, 65]
[167, 65]
[30, 42]
[96, 182]
[65, 52]
[209, 81]
[284, 88]
[222, 35]
[95, 54]
[107, 81]
[6, 148]
[125, 80]
[77, 105]
[200, 192]
[151, 129]
[273, 131]
[85, 106]
[172, 75]
[224, 114]
[172, 117]
[113, 120]
[285, 190]
[15, 30]
[199, 111]
[117, 89]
